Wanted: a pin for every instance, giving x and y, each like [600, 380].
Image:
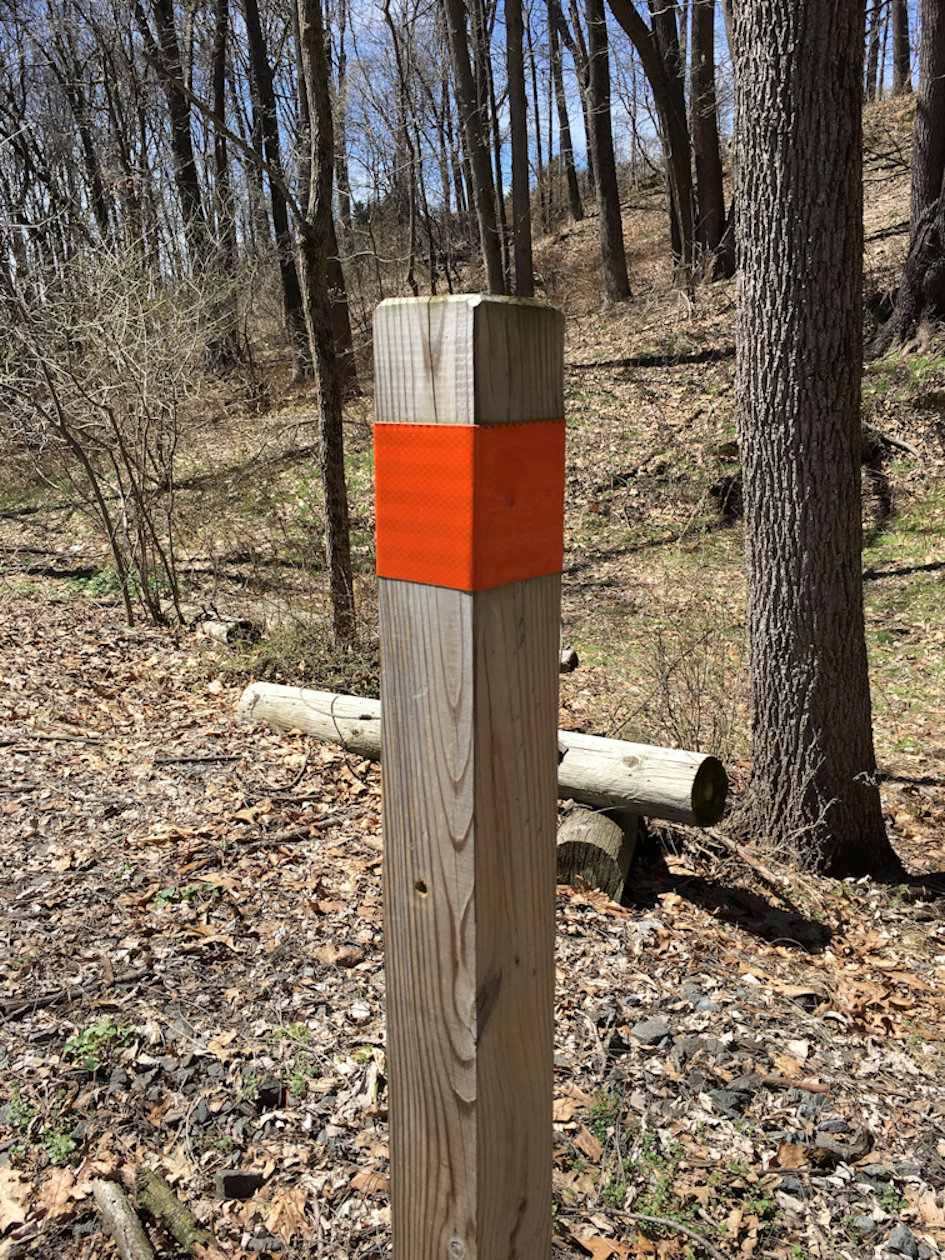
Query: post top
[468, 358]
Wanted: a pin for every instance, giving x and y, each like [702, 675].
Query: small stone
[690, 992]
[270, 1093]
[650, 1032]
[745, 1084]
[925, 1252]
[836, 1125]
[706, 1004]
[236, 1183]
[118, 1081]
[793, 1186]
[905, 1168]
[904, 1242]
[725, 1101]
[696, 1082]
[879, 1171]
[865, 1225]
[201, 1113]
[685, 1047]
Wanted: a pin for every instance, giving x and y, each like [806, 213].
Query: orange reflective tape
[469, 507]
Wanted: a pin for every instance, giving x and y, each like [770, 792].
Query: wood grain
[472, 360]
[469, 820]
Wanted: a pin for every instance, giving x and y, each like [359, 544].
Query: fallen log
[665, 783]
[123, 1223]
[597, 848]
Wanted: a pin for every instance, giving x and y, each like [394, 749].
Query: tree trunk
[902, 52]
[314, 249]
[799, 77]
[564, 123]
[655, 49]
[261, 86]
[601, 143]
[224, 346]
[167, 52]
[715, 263]
[920, 299]
[518, 123]
[874, 34]
[928, 151]
[476, 142]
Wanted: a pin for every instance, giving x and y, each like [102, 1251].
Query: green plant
[603, 1113]
[92, 1047]
[58, 1145]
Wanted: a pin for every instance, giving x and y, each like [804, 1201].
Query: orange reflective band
[469, 507]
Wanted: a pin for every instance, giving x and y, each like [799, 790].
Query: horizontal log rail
[665, 783]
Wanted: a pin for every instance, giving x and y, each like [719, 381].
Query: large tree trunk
[798, 103]
[601, 141]
[928, 151]
[314, 247]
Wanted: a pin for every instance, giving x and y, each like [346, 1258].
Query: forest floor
[748, 1061]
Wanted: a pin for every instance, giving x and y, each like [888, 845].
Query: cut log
[568, 662]
[664, 783]
[597, 848]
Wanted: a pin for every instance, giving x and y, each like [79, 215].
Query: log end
[709, 792]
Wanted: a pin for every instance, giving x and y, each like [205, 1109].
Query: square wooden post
[470, 526]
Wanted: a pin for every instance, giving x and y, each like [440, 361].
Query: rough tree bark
[799, 77]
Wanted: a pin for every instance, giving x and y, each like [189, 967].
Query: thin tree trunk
[902, 51]
[315, 247]
[482, 185]
[261, 85]
[224, 347]
[710, 225]
[799, 88]
[872, 62]
[518, 119]
[658, 51]
[616, 281]
[564, 124]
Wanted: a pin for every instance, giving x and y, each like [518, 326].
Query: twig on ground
[643, 1219]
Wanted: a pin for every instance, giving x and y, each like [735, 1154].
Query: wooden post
[469, 556]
